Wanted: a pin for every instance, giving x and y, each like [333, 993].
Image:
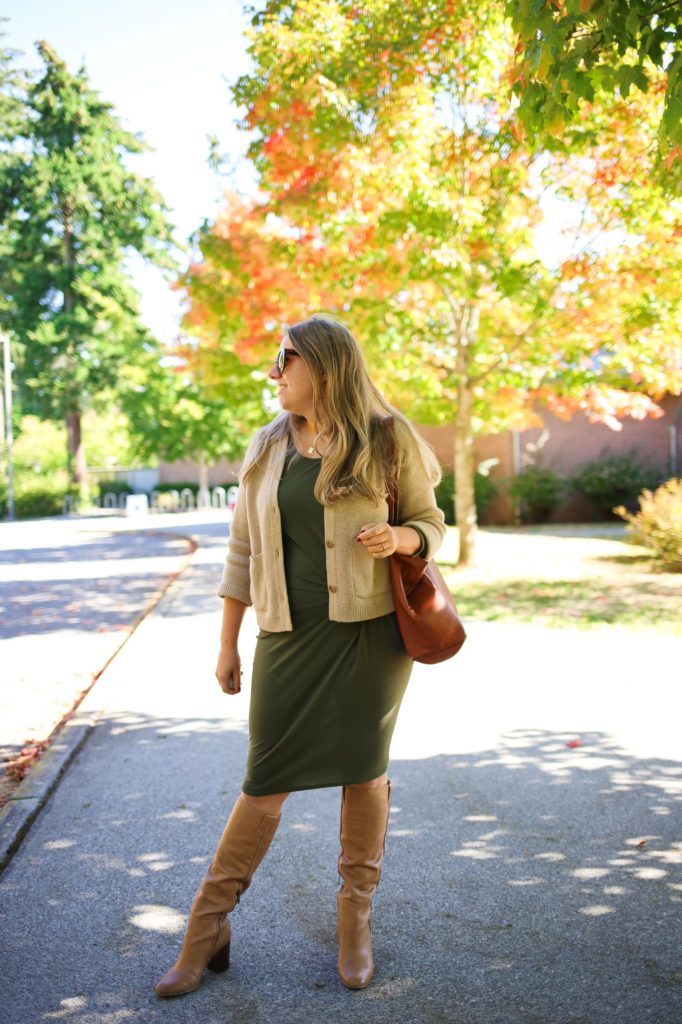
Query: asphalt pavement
[72, 590]
[532, 869]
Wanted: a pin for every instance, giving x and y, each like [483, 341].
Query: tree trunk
[76, 451]
[465, 504]
[77, 466]
[465, 317]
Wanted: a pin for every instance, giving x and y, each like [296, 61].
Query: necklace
[313, 447]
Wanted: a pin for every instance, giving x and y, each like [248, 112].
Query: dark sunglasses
[283, 357]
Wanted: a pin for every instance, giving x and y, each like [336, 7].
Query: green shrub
[181, 486]
[658, 524]
[116, 487]
[615, 480]
[192, 485]
[485, 490]
[33, 501]
[537, 492]
[39, 501]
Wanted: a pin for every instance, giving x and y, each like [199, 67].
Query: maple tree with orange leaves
[397, 190]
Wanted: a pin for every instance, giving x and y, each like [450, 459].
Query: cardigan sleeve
[416, 497]
[236, 580]
[420, 553]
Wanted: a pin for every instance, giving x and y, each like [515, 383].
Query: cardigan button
[332, 588]
[330, 543]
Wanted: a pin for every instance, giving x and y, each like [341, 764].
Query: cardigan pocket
[258, 587]
[371, 577]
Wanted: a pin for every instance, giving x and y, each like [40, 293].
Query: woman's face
[294, 383]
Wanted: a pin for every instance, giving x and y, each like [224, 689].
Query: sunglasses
[283, 357]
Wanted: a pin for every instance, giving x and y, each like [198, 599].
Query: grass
[564, 577]
[579, 603]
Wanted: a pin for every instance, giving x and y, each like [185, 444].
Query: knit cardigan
[359, 585]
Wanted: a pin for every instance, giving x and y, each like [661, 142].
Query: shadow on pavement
[115, 546]
[104, 598]
[531, 883]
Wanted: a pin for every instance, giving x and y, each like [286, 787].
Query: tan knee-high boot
[243, 844]
[364, 823]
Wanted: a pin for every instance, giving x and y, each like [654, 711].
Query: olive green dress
[325, 696]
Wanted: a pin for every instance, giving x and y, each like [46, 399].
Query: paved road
[525, 881]
[71, 589]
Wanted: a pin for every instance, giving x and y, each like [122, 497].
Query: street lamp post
[7, 364]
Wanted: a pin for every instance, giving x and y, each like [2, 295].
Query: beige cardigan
[359, 585]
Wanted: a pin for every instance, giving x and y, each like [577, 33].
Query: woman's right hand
[229, 669]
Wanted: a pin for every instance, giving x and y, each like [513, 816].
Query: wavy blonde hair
[357, 459]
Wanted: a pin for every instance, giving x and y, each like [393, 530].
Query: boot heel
[221, 960]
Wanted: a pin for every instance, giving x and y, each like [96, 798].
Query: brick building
[568, 445]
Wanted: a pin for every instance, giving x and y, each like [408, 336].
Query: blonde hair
[357, 459]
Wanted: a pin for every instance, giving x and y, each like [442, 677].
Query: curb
[69, 735]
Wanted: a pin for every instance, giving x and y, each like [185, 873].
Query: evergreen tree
[72, 213]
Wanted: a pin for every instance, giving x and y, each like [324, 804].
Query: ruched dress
[325, 695]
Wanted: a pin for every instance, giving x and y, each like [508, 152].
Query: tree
[398, 191]
[572, 51]
[72, 214]
[174, 414]
[13, 85]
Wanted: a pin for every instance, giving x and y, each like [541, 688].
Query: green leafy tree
[72, 213]
[174, 414]
[570, 52]
[39, 450]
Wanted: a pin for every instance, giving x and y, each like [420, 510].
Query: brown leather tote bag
[427, 616]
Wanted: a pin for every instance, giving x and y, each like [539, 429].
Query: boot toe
[356, 979]
[176, 983]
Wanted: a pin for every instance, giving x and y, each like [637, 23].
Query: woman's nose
[275, 372]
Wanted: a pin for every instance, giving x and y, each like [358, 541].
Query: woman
[309, 544]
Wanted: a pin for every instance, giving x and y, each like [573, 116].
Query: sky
[162, 64]
[165, 66]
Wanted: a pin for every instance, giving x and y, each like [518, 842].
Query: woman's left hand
[379, 539]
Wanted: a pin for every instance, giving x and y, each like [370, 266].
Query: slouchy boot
[243, 844]
[364, 823]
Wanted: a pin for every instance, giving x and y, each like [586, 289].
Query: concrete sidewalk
[525, 881]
